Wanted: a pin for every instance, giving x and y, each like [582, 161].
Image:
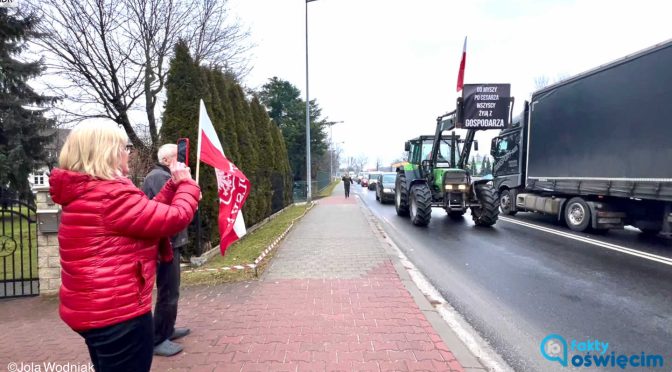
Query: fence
[301, 190]
[18, 249]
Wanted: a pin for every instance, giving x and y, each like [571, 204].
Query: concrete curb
[462, 353]
[262, 256]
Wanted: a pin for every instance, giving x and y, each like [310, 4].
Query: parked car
[364, 182]
[385, 187]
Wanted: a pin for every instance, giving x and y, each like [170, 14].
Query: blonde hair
[94, 149]
[166, 151]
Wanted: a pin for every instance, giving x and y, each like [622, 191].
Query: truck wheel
[487, 213]
[421, 205]
[577, 214]
[506, 203]
[456, 215]
[401, 195]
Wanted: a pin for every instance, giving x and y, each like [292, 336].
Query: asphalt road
[515, 284]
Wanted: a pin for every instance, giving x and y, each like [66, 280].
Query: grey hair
[167, 151]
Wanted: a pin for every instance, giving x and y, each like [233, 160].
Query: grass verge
[328, 190]
[245, 251]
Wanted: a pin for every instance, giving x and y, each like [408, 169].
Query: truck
[594, 150]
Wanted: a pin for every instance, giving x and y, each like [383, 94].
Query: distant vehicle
[385, 187]
[594, 150]
[373, 179]
[364, 182]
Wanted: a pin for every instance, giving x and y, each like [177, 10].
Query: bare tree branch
[111, 57]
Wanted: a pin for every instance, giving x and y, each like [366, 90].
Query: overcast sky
[388, 68]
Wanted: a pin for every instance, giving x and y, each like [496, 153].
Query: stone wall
[49, 260]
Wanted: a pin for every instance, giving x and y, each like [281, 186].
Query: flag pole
[199, 250]
[198, 146]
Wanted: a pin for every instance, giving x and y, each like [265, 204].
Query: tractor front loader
[436, 176]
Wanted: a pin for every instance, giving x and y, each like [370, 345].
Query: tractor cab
[420, 149]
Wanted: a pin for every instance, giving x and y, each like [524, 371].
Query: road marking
[613, 247]
[464, 331]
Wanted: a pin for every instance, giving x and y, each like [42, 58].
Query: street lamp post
[331, 147]
[308, 175]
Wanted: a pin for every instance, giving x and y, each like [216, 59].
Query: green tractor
[436, 176]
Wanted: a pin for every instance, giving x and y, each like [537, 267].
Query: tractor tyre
[401, 195]
[421, 204]
[487, 213]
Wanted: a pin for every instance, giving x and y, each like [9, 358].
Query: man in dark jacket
[347, 181]
[168, 273]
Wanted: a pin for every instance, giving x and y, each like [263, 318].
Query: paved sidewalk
[332, 299]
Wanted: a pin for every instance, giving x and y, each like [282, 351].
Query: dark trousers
[168, 293]
[347, 190]
[126, 346]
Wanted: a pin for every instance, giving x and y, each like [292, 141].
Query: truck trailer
[595, 150]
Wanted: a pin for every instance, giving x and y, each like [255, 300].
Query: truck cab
[508, 150]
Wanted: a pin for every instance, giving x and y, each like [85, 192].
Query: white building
[40, 176]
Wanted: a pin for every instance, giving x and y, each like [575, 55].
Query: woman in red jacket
[109, 237]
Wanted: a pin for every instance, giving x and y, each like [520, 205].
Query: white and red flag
[460, 74]
[232, 185]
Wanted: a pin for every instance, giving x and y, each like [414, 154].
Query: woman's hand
[179, 172]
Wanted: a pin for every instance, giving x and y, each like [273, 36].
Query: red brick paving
[365, 324]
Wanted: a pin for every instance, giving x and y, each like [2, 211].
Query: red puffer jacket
[108, 238]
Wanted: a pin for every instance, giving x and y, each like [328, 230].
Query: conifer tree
[184, 89]
[227, 126]
[267, 153]
[22, 121]
[283, 167]
[473, 167]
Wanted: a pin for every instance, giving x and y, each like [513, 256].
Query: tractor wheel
[487, 213]
[401, 195]
[506, 203]
[421, 205]
[456, 215]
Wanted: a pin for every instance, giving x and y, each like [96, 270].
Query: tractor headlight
[387, 190]
[460, 187]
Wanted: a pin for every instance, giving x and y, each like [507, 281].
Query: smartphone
[183, 151]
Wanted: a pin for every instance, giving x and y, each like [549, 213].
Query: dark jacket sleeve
[167, 193]
[153, 183]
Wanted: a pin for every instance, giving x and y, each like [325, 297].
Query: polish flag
[460, 74]
[233, 187]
